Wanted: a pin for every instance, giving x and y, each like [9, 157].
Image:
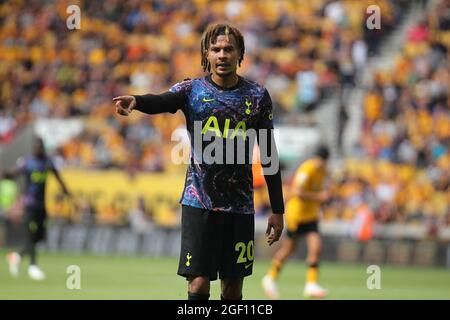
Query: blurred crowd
[406, 133]
[302, 51]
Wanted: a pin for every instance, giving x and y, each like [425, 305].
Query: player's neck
[225, 82]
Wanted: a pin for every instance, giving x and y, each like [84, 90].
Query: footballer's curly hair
[210, 36]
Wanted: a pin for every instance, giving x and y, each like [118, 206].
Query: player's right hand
[125, 104]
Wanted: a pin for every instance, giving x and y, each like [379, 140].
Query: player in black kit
[35, 168]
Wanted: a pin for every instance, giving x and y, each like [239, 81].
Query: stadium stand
[302, 51]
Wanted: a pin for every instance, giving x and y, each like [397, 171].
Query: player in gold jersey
[305, 197]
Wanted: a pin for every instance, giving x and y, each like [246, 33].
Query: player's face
[223, 56]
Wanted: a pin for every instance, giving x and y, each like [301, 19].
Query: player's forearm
[273, 179]
[60, 181]
[275, 189]
[63, 187]
[160, 103]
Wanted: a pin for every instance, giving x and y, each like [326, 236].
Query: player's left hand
[275, 222]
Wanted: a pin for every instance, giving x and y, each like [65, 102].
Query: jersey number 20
[246, 251]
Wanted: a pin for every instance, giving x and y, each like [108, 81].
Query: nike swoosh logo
[207, 100]
[248, 265]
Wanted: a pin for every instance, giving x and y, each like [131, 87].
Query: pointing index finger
[119, 98]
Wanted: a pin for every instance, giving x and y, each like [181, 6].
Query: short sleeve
[184, 86]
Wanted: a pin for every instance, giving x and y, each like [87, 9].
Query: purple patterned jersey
[225, 114]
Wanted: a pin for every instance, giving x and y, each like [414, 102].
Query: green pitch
[107, 277]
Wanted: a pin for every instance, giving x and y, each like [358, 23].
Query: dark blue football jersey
[36, 171]
[222, 114]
